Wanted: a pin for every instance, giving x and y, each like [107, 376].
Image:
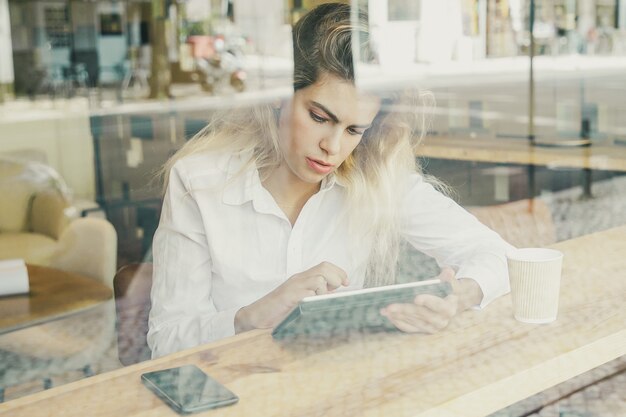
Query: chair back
[132, 285]
[20, 182]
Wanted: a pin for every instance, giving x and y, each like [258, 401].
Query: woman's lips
[319, 166]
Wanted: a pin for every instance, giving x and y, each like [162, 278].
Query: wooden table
[483, 362]
[54, 294]
[519, 151]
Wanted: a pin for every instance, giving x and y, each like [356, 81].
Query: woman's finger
[332, 281]
[319, 284]
[410, 323]
[419, 316]
[448, 275]
[336, 276]
[442, 306]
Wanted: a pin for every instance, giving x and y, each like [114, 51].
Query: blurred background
[529, 111]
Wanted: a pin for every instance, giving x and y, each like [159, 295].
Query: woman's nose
[331, 143]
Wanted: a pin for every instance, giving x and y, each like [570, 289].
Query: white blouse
[221, 247]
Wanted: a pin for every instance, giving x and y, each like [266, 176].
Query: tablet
[353, 310]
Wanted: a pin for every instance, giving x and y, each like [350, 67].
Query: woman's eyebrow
[334, 117]
[330, 114]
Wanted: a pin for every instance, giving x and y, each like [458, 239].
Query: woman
[271, 205]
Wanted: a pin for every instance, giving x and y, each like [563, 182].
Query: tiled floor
[108, 362]
[603, 399]
[600, 392]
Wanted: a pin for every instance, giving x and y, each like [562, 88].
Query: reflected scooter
[222, 67]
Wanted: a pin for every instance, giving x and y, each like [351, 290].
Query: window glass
[96, 97]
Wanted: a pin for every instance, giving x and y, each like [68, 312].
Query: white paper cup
[535, 276]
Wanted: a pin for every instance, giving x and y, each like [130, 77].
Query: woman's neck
[289, 192]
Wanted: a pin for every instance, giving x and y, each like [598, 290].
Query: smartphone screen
[187, 389]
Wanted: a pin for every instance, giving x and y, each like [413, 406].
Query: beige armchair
[39, 225]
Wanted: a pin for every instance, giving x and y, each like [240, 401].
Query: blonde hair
[375, 174]
[253, 130]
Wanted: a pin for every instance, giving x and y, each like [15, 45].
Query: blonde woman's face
[320, 127]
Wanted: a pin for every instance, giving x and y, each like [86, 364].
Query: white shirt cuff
[222, 324]
[494, 281]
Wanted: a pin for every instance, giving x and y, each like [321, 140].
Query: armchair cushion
[14, 204]
[34, 248]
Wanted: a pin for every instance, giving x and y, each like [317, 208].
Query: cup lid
[534, 254]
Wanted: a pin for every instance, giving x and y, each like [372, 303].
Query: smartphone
[187, 389]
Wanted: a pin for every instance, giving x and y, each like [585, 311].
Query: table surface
[482, 362]
[519, 151]
[54, 294]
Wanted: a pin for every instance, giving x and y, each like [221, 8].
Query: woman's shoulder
[210, 167]
[200, 164]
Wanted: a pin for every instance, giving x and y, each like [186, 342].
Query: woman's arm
[437, 226]
[472, 258]
[271, 309]
[183, 313]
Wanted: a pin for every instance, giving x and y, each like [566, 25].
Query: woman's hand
[430, 314]
[270, 310]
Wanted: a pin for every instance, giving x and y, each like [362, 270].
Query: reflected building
[95, 43]
[90, 42]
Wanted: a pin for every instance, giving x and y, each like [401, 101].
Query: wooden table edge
[507, 391]
[31, 268]
[97, 379]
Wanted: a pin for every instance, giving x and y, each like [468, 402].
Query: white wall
[61, 132]
[6, 54]
[198, 10]
[395, 41]
[263, 21]
[586, 15]
[440, 30]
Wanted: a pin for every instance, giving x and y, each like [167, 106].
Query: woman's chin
[311, 177]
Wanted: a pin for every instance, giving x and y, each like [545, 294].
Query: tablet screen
[327, 314]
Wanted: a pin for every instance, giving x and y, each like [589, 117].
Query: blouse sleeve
[437, 226]
[183, 313]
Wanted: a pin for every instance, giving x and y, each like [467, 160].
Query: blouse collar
[243, 183]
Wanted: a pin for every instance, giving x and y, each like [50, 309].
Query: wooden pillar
[160, 78]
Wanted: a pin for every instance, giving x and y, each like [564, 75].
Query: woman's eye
[316, 117]
[355, 132]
